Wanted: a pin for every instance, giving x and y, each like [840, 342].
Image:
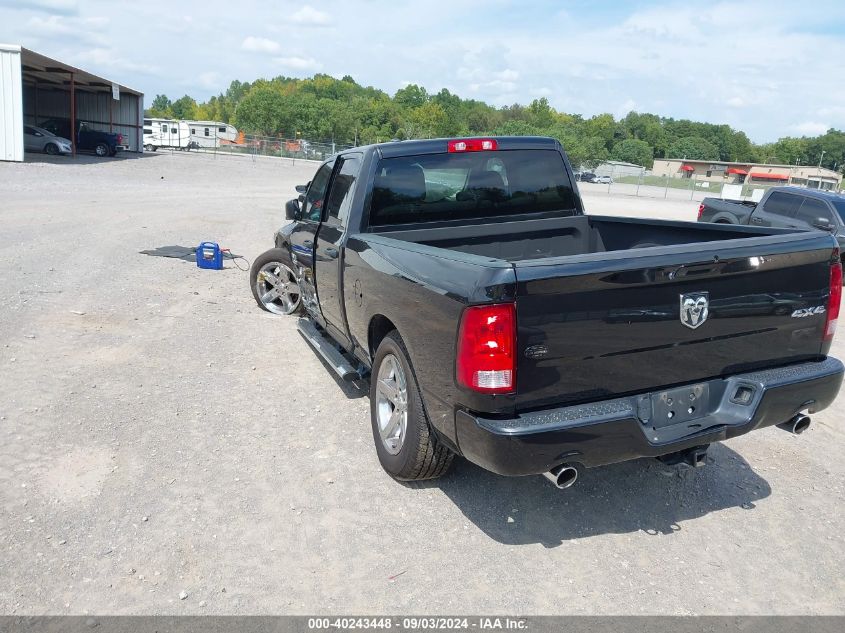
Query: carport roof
[43, 70]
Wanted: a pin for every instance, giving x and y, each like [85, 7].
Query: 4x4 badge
[695, 308]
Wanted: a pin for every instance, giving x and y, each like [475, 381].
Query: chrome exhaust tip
[797, 425]
[562, 476]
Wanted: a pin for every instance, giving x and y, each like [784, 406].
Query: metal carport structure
[34, 87]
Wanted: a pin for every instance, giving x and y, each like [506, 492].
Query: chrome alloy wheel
[392, 404]
[277, 288]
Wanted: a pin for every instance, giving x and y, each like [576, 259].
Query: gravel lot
[167, 448]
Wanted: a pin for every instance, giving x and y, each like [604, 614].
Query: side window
[174, 130]
[343, 188]
[812, 209]
[164, 128]
[193, 130]
[782, 204]
[312, 208]
[207, 132]
[221, 129]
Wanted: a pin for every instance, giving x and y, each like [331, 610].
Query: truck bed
[525, 240]
[598, 299]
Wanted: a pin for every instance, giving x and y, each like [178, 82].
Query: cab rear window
[440, 187]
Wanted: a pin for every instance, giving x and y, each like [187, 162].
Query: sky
[770, 68]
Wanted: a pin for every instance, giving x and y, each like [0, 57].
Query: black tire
[102, 150]
[422, 455]
[274, 255]
[51, 148]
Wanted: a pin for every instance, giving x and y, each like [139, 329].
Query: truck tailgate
[592, 327]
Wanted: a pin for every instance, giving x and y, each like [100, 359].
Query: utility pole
[820, 169]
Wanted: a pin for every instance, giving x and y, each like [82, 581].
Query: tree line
[323, 108]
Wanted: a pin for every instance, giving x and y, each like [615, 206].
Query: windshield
[472, 185]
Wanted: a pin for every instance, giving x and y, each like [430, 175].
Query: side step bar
[326, 348]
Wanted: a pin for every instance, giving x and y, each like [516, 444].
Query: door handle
[757, 220]
[332, 252]
[307, 243]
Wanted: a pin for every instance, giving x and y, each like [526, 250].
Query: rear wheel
[273, 282]
[407, 448]
[102, 149]
[51, 148]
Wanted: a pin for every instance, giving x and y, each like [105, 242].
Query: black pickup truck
[497, 321]
[785, 207]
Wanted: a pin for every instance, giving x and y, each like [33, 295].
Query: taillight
[835, 297]
[700, 210]
[486, 359]
[120, 139]
[473, 145]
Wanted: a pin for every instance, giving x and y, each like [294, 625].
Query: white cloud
[260, 45]
[111, 59]
[74, 27]
[810, 128]
[625, 107]
[62, 7]
[309, 16]
[298, 63]
[209, 80]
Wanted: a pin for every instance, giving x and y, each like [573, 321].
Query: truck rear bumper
[641, 426]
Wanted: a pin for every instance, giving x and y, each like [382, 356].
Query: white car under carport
[37, 139]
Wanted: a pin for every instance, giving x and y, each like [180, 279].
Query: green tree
[602, 126]
[184, 108]
[633, 150]
[160, 107]
[540, 113]
[411, 96]
[693, 148]
[261, 111]
[516, 128]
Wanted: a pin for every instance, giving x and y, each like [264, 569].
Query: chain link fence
[282, 147]
[637, 181]
[250, 145]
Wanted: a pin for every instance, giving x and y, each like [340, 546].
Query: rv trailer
[211, 133]
[166, 133]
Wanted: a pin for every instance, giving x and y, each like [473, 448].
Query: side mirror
[823, 224]
[292, 210]
[302, 188]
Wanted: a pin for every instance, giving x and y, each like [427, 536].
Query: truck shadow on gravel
[642, 495]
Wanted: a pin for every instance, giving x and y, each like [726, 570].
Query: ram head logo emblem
[695, 308]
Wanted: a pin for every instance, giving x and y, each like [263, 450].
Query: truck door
[778, 210]
[305, 234]
[328, 262]
[815, 214]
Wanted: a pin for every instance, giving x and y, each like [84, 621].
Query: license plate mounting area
[680, 405]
